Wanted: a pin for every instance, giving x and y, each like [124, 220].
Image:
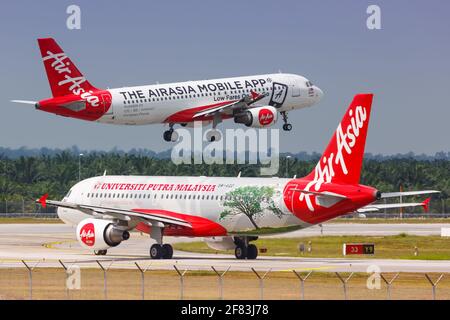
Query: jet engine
[100, 234]
[258, 117]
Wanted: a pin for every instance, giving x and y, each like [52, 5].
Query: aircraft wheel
[167, 251]
[156, 251]
[100, 252]
[167, 135]
[252, 252]
[287, 127]
[240, 252]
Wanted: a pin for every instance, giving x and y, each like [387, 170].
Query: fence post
[388, 284]
[181, 274]
[105, 280]
[302, 283]
[220, 275]
[30, 277]
[344, 282]
[261, 281]
[434, 284]
[142, 271]
[65, 269]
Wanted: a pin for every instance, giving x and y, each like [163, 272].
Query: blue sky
[406, 64]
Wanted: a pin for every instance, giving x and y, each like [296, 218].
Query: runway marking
[308, 269]
[51, 245]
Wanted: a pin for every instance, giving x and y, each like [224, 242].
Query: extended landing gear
[159, 250]
[164, 251]
[286, 126]
[170, 135]
[244, 250]
[100, 252]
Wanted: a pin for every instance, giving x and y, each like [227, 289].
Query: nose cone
[318, 93]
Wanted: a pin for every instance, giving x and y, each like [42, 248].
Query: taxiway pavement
[46, 244]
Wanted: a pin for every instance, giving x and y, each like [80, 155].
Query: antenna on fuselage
[104, 173]
[239, 174]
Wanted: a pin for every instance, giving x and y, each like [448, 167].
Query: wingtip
[426, 204]
[43, 200]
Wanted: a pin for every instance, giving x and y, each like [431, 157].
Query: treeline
[29, 177]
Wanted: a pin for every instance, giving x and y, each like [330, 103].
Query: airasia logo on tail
[345, 142]
[265, 117]
[87, 234]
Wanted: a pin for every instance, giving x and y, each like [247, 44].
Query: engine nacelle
[220, 243]
[258, 117]
[97, 234]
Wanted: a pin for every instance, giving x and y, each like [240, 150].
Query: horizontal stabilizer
[406, 193]
[376, 207]
[24, 101]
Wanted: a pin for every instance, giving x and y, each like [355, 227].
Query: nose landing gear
[100, 252]
[286, 126]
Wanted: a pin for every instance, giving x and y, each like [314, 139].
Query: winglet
[426, 204]
[43, 200]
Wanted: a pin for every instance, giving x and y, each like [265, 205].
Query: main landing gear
[170, 135]
[100, 252]
[286, 126]
[158, 251]
[244, 250]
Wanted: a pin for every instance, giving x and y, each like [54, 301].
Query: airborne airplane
[228, 213]
[254, 101]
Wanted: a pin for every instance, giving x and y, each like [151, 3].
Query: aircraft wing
[243, 103]
[152, 216]
[381, 206]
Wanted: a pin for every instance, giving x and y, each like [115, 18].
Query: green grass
[388, 247]
[29, 220]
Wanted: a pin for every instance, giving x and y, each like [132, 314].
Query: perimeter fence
[150, 280]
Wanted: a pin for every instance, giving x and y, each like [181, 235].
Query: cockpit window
[309, 84]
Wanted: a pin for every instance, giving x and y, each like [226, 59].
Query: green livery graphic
[252, 201]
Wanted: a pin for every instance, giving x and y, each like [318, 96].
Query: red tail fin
[342, 160]
[426, 204]
[63, 75]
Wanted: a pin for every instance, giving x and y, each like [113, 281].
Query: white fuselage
[196, 196]
[157, 103]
